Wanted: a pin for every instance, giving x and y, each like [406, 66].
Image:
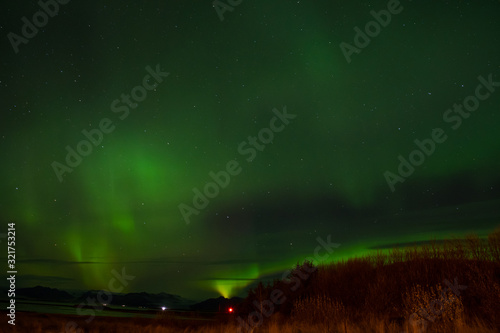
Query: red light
[230, 310]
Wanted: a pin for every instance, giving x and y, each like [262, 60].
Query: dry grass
[37, 323]
[402, 290]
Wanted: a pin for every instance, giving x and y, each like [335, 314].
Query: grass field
[453, 286]
[40, 323]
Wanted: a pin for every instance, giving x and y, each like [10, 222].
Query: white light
[163, 308]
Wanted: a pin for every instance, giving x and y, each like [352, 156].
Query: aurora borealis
[322, 174]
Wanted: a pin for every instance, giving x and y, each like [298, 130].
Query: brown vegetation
[448, 287]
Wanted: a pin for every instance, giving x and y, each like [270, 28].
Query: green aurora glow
[322, 175]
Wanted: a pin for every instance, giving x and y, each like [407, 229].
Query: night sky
[309, 121]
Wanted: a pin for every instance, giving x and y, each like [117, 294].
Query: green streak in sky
[236, 280]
